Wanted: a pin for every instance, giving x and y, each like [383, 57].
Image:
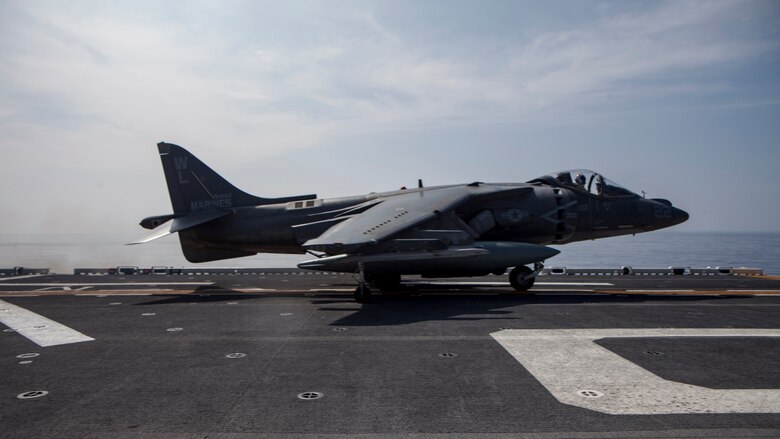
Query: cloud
[161, 76]
[630, 53]
[93, 85]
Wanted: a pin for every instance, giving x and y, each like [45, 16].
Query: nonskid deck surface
[233, 356]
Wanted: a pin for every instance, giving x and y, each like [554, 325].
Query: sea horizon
[62, 253]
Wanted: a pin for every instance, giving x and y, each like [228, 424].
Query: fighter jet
[472, 229]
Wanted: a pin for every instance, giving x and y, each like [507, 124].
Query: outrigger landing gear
[522, 278]
[362, 293]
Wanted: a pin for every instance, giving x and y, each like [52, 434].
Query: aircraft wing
[398, 213]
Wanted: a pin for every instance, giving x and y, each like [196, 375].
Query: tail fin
[193, 186]
[199, 196]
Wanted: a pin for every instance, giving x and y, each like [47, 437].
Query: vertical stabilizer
[193, 186]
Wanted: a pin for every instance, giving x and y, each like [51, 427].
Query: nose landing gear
[522, 278]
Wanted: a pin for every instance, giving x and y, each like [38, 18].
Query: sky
[678, 99]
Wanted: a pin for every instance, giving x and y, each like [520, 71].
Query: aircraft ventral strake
[443, 231]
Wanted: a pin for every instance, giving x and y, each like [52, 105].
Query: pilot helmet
[580, 180]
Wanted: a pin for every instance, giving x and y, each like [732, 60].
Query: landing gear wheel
[387, 282]
[362, 294]
[521, 278]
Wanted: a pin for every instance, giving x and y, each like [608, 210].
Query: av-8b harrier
[444, 231]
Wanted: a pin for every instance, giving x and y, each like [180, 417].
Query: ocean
[661, 249]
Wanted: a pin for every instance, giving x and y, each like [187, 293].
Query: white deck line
[96, 294]
[506, 284]
[753, 291]
[581, 373]
[40, 330]
[661, 291]
[26, 276]
[103, 284]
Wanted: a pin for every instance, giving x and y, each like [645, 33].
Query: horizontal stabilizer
[179, 224]
[196, 219]
[163, 229]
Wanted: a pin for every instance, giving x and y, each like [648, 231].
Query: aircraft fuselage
[547, 215]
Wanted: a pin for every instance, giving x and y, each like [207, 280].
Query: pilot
[580, 180]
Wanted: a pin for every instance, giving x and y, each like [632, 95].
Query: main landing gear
[384, 282]
[362, 293]
[522, 278]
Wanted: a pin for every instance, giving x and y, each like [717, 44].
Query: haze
[678, 99]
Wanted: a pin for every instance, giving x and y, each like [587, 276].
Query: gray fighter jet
[444, 231]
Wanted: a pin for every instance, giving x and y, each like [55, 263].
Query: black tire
[520, 280]
[387, 282]
[363, 294]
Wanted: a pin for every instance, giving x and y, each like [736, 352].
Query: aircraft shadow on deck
[401, 309]
[413, 304]
[202, 294]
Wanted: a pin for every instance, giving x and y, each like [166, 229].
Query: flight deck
[288, 353]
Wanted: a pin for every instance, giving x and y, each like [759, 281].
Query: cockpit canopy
[588, 181]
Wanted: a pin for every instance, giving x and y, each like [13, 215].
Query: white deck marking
[558, 290]
[330, 290]
[19, 277]
[506, 284]
[119, 293]
[101, 284]
[660, 291]
[40, 330]
[63, 288]
[754, 291]
[567, 361]
[576, 284]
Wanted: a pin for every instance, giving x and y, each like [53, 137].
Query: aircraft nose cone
[548, 252]
[679, 215]
[658, 213]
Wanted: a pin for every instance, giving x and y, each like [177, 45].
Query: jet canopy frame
[588, 181]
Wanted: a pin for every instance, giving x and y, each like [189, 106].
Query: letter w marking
[181, 163]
